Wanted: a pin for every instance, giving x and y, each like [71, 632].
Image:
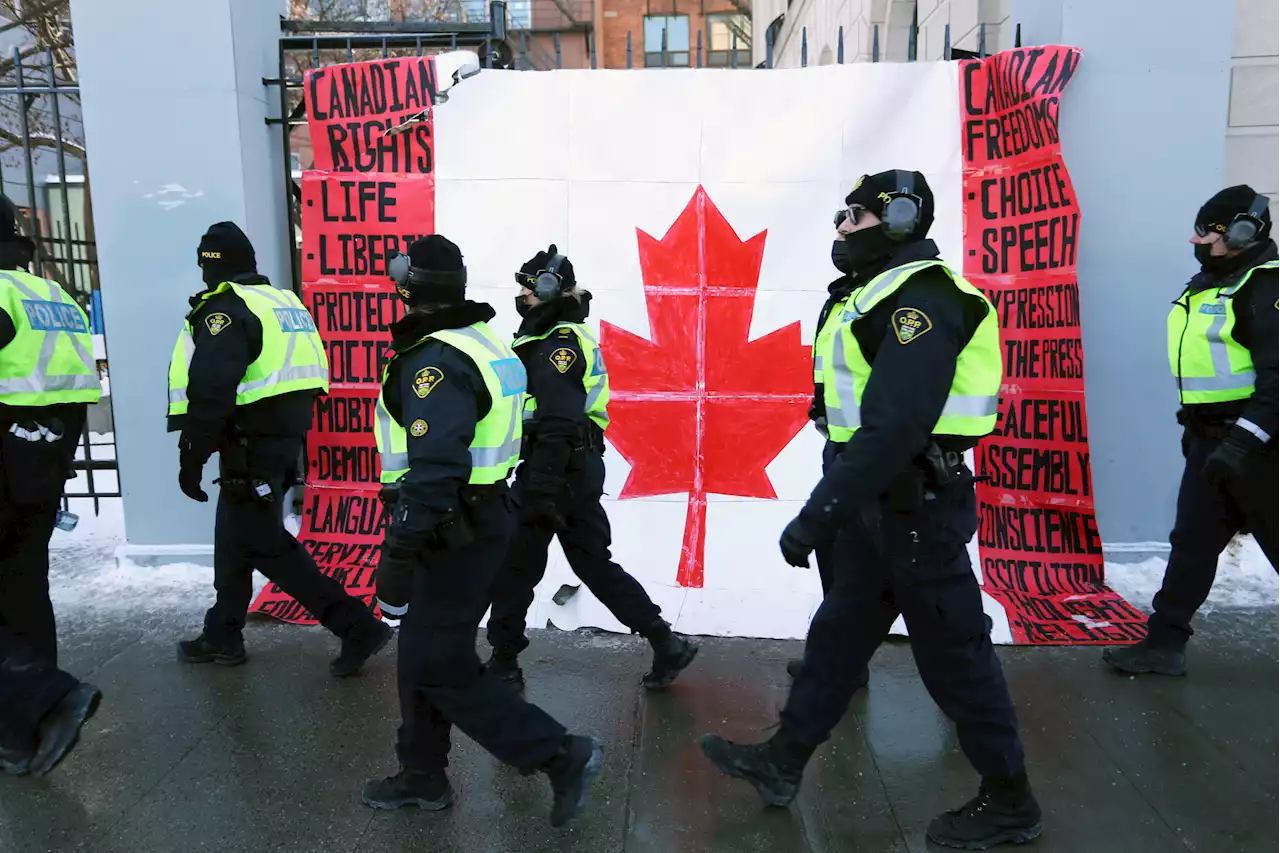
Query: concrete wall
[1253, 145]
[1143, 139]
[177, 141]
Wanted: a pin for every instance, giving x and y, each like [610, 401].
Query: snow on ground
[1245, 579]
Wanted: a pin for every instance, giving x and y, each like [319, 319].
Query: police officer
[242, 380]
[910, 381]
[559, 484]
[828, 321]
[47, 379]
[1222, 350]
[448, 432]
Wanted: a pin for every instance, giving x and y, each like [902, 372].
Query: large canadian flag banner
[696, 206]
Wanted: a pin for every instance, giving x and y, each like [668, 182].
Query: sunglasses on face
[852, 213]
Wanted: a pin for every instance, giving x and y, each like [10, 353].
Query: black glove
[538, 509]
[797, 543]
[1230, 459]
[190, 470]
[394, 576]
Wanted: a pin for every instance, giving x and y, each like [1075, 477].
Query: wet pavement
[270, 756]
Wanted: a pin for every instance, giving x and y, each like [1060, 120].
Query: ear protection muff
[405, 274]
[548, 285]
[902, 214]
[1245, 227]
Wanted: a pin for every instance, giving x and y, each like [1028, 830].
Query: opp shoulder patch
[418, 428]
[909, 324]
[216, 322]
[425, 381]
[562, 359]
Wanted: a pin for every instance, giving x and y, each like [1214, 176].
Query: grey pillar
[1143, 130]
[173, 114]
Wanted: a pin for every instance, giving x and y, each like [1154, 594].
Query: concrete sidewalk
[270, 756]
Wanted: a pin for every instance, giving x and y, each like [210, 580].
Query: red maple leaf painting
[700, 408]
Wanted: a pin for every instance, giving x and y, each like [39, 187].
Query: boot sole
[420, 802]
[768, 795]
[1004, 836]
[43, 762]
[220, 660]
[338, 672]
[674, 672]
[589, 772]
[1174, 671]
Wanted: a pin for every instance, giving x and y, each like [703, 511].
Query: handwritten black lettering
[360, 254]
[345, 414]
[1041, 530]
[1043, 244]
[1047, 306]
[355, 311]
[1044, 420]
[357, 361]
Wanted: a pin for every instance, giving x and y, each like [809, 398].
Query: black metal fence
[40, 129]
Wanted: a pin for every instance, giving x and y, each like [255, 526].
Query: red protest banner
[371, 195]
[343, 530]
[355, 324]
[351, 108]
[352, 226]
[1038, 539]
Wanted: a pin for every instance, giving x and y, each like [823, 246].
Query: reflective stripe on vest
[595, 379]
[50, 359]
[1207, 362]
[974, 398]
[495, 449]
[280, 367]
[822, 338]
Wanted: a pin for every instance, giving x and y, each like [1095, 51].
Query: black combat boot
[1144, 657]
[428, 790]
[360, 644]
[774, 767]
[671, 654]
[1004, 812]
[507, 671]
[570, 772]
[202, 650]
[60, 728]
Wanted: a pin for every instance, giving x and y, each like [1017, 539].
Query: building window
[677, 53]
[721, 30]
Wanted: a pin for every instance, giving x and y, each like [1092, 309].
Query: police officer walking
[242, 381]
[1223, 351]
[559, 484]
[911, 379]
[47, 379]
[448, 431]
[828, 321]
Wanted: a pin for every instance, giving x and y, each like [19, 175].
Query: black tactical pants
[249, 533]
[586, 543]
[1208, 518]
[914, 564]
[442, 682]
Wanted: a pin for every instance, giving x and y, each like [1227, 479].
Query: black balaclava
[1216, 215]
[871, 247]
[529, 273]
[16, 250]
[437, 275]
[225, 253]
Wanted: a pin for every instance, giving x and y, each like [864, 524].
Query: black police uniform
[33, 475]
[900, 549]
[558, 488]
[1210, 514]
[453, 536]
[41, 706]
[261, 442]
